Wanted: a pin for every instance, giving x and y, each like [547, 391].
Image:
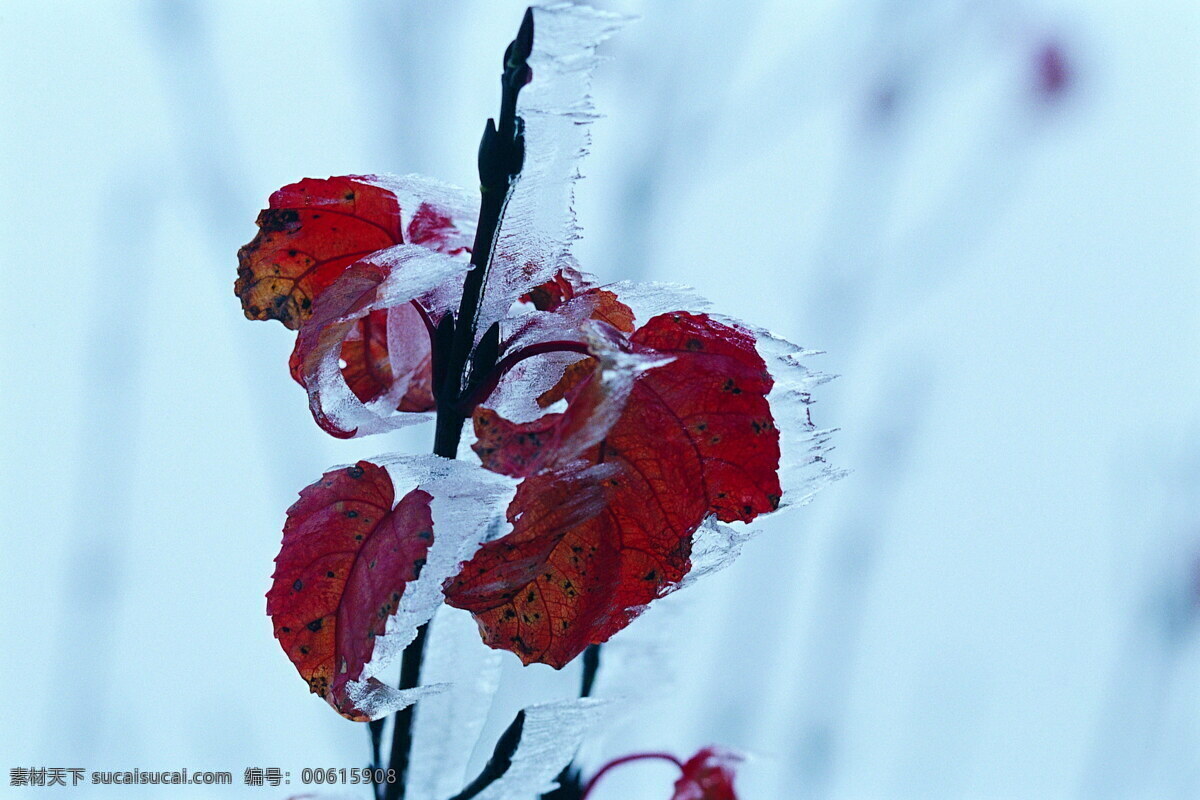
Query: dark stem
[410, 677]
[591, 665]
[625, 760]
[376, 728]
[501, 155]
[500, 761]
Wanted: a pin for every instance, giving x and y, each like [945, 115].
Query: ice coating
[648, 299]
[592, 409]
[638, 663]
[565, 324]
[376, 699]
[420, 198]
[516, 397]
[410, 356]
[447, 726]
[468, 508]
[803, 466]
[539, 228]
[387, 279]
[549, 740]
[618, 371]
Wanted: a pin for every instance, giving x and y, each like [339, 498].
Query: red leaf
[552, 294]
[313, 232]
[386, 282]
[435, 229]
[346, 558]
[708, 775]
[611, 310]
[570, 283]
[368, 364]
[307, 237]
[696, 437]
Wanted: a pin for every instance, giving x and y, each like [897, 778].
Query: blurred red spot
[1053, 70]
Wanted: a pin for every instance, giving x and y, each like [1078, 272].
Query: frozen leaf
[468, 508]
[566, 283]
[311, 231]
[550, 737]
[386, 353]
[447, 726]
[356, 575]
[595, 389]
[346, 558]
[804, 447]
[539, 227]
[696, 437]
[389, 281]
[314, 229]
[591, 321]
[708, 775]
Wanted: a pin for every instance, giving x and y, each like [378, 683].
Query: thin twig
[500, 761]
[625, 760]
[591, 665]
[375, 727]
[501, 156]
[410, 678]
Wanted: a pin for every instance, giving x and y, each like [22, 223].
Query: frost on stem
[550, 737]
[447, 726]
[539, 226]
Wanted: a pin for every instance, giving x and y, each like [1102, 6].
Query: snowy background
[986, 213]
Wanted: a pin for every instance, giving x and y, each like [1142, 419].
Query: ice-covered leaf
[386, 282]
[346, 558]
[314, 229]
[565, 284]
[370, 365]
[356, 575]
[595, 389]
[589, 549]
[708, 775]
[311, 231]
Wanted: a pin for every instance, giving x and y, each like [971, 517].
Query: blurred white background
[985, 212]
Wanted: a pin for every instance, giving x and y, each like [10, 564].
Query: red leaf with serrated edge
[696, 437]
[708, 775]
[307, 237]
[346, 558]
